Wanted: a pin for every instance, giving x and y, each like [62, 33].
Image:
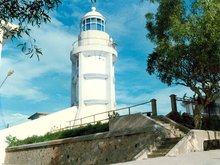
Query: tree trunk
[198, 116]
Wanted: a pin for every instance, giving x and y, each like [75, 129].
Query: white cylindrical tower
[93, 57]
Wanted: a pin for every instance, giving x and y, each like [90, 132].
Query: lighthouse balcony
[94, 41]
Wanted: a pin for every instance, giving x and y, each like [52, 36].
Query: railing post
[94, 118]
[129, 110]
[154, 107]
[173, 103]
[70, 124]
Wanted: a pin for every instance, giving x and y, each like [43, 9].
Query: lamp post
[10, 72]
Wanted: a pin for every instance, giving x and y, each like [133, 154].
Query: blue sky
[44, 86]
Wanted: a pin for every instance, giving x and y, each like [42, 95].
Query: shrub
[86, 130]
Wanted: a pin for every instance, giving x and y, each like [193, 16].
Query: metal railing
[94, 41]
[111, 114]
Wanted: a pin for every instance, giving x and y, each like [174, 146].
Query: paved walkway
[196, 158]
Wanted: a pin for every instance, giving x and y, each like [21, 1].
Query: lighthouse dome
[93, 20]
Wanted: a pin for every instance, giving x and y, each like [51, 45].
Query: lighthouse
[93, 57]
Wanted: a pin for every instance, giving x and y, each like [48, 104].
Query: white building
[93, 58]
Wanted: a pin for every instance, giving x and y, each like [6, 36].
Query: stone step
[166, 145]
[166, 122]
[160, 151]
[172, 139]
[153, 155]
[168, 141]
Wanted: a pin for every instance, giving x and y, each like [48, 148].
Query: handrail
[107, 112]
[108, 42]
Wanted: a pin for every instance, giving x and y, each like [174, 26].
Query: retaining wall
[102, 148]
[193, 142]
[36, 127]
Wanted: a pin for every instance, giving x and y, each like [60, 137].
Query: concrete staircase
[162, 149]
[177, 132]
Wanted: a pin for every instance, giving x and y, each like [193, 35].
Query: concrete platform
[195, 158]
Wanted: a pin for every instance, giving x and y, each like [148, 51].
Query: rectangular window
[99, 27]
[87, 26]
[102, 28]
[88, 20]
[99, 20]
[93, 26]
[93, 19]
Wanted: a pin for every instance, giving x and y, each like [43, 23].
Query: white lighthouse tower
[93, 58]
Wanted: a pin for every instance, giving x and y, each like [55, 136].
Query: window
[88, 20]
[87, 27]
[99, 27]
[93, 19]
[93, 24]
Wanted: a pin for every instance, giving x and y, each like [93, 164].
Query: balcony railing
[94, 41]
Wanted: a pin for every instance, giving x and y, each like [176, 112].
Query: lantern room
[93, 20]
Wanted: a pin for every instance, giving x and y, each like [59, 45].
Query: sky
[44, 86]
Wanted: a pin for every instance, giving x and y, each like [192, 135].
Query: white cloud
[126, 64]
[55, 42]
[129, 20]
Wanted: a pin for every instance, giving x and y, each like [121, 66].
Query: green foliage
[184, 119]
[211, 123]
[12, 141]
[187, 52]
[26, 14]
[208, 123]
[86, 130]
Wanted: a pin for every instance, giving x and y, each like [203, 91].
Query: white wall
[37, 127]
[95, 80]
[193, 142]
[1, 44]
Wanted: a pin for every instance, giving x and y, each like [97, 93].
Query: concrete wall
[36, 127]
[130, 122]
[103, 148]
[193, 142]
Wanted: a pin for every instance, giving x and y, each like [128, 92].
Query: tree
[26, 14]
[186, 35]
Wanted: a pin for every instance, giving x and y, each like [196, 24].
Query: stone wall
[38, 126]
[102, 148]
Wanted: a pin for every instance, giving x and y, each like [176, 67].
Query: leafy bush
[212, 123]
[184, 119]
[12, 141]
[86, 130]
